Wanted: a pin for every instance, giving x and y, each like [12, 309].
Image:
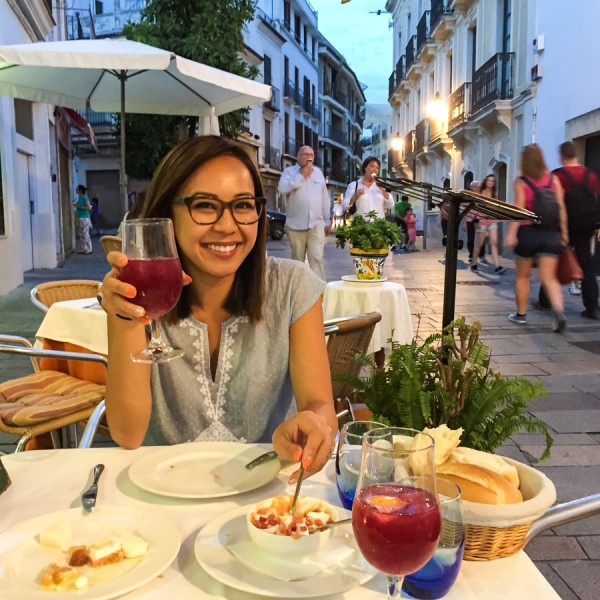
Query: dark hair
[82, 188]
[404, 197]
[532, 162]
[248, 289]
[567, 150]
[484, 184]
[368, 161]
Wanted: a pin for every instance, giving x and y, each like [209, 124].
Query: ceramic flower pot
[368, 264]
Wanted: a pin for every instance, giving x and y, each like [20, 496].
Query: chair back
[347, 337]
[46, 294]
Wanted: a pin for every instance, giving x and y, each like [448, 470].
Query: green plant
[447, 379]
[368, 233]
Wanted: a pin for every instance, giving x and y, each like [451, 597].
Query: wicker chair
[347, 337]
[45, 401]
[46, 294]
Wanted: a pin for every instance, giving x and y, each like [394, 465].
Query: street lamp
[437, 109]
[397, 144]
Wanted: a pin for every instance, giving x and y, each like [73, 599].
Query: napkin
[337, 552]
[4, 478]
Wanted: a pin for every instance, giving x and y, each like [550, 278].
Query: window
[267, 70]
[297, 27]
[287, 15]
[23, 118]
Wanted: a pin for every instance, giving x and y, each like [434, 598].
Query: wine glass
[347, 458]
[154, 270]
[396, 515]
[435, 579]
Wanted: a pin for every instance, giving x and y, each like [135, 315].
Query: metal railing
[438, 9]
[272, 157]
[274, 102]
[335, 134]
[421, 134]
[98, 119]
[392, 84]
[459, 103]
[493, 80]
[291, 146]
[423, 31]
[410, 52]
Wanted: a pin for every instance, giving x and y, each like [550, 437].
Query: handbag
[568, 268]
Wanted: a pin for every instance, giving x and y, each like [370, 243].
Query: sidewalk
[569, 365]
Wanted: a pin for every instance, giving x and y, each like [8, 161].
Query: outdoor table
[35, 474]
[75, 326]
[343, 299]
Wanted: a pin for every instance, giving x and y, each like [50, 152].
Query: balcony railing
[438, 9]
[392, 84]
[273, 103]
[98, 119]
[336, 134]
[410, 52]
[423, 31]
[493, 80]
[338, 174]
[273, 157]
[400, 69]
[421, 134]
[291, 146]
[407, 144]
[459, 103]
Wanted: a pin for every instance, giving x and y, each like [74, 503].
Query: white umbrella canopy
[118, 75]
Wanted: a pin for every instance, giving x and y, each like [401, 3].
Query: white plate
[24, 559]
[353, 279]
[202, 470]
[213, 556]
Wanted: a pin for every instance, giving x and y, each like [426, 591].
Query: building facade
[473, 81]
[378, 120]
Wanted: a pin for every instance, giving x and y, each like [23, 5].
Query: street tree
[206, 31]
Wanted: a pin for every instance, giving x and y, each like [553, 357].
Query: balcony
[421, 135]
[408, 145]
[441, 20]
[274, 102]
[425, 43]
[291, 146]
[335, 134]
[461, 6]
[338, 174]
[459, 106]
[99, 119]
[410, 53]
[391, 85]
[493, 81]
[272, 157]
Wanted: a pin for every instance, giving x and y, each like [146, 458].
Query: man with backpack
[582, 188]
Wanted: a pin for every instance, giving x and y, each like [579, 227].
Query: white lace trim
[215, 408]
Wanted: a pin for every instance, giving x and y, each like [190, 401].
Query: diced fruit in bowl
[274, 529]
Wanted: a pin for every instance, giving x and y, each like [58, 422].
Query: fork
[88, 498]
[298, 484]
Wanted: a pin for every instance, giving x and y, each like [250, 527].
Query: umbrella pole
[123, 172]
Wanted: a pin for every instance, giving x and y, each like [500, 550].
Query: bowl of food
[274, 529]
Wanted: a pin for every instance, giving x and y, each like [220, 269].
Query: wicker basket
[499, 530]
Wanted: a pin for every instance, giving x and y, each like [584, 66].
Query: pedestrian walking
[539, 191]
[83, 223]
[471, 220]
[308, 218]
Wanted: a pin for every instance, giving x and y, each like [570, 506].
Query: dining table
[46, 481]
[348, 296]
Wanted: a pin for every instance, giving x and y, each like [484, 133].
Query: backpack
[545, 205]
[583, 206]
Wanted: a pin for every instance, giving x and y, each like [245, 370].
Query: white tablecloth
[343, 299]
[50, 480]
[81, 322]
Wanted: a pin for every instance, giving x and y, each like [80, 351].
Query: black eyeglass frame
[261, 202]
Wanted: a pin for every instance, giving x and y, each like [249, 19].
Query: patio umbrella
[118, 75]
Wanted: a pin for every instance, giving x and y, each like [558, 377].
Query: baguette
[478, 484]
[492, 462]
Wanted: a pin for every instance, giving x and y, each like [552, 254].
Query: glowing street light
[397, 141]
[437, 109]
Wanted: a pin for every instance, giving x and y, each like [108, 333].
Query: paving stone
[568, 368]
[556, 581]
[555, 548]
[560, 439]
[573, 401]
[523, 369]
[586, 526]
[591, 545]
[573, 481]
[571, 421]
[580, 575]
[565, 456]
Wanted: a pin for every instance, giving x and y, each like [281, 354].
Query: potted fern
[447, 379]
[370, 238]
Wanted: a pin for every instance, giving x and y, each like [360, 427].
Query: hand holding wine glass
[154, 270]
[395, 515]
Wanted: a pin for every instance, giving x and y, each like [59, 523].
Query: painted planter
[368, 264]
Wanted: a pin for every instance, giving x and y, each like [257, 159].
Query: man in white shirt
[308, 218]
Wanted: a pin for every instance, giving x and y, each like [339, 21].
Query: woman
[251, 327]
[532, 242]
[487, 228]
[83, 208]
[364, 195]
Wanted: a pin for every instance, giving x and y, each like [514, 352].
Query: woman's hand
[307, 438]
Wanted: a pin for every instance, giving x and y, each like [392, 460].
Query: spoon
[298, 484]
[332, 524]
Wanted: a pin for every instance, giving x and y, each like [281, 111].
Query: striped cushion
[44, 396]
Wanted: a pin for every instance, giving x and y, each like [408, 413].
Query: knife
[88, 498]
[259, 460]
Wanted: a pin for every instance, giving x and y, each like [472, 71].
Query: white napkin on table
[336, 552]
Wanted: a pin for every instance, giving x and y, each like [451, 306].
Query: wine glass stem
[394, 586]
[156, 340]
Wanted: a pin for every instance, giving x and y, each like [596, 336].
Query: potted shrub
[370, 239]
[447, 379]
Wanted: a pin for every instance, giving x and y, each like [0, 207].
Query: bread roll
[492, 462]
[478, 484]
[446, 440]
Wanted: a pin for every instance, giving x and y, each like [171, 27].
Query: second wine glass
[153, 268]
[395, 515]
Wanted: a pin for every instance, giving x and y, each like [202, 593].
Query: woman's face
[215, 250]
[490, 182]
[372, 169]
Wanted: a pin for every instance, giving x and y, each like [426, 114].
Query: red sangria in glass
[153, 268]
[395, 515]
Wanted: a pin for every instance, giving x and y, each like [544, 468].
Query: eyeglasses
[206, 209]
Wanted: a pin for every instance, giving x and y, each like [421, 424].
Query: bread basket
[499, 530]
